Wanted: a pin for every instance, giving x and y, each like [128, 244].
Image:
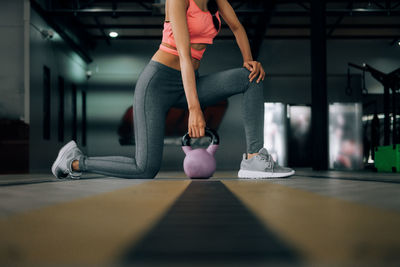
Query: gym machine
[387, 157]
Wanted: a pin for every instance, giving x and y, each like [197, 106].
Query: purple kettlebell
[200, 162]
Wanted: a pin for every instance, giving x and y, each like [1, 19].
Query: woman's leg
[218, 86]
[215, 87]
[153, 97]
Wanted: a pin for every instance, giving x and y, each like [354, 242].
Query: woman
[170, 80]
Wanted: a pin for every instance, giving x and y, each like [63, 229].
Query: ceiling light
[113, 34]
[398, 43]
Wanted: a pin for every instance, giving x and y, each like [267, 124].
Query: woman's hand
[256, 70]
[196, 123]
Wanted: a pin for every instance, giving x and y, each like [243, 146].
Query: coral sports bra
[201, 30]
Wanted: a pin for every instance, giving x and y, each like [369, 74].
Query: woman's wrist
[194, 107]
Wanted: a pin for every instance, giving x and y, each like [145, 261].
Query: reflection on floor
[322, 218]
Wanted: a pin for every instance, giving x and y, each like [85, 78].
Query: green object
[387, 158]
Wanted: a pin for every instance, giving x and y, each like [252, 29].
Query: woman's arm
[227, 12]
[177, 16]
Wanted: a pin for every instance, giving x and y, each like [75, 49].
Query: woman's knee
[243, 75]
[252, 85]
[150, 171]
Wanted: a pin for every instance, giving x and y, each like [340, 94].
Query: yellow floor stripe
[93, 230]
[323, 229]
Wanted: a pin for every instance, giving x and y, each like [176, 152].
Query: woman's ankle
[249, 156]
[75, 165]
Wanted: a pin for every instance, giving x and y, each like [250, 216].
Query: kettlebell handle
[208, 132]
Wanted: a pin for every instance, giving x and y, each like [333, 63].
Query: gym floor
[312, 218]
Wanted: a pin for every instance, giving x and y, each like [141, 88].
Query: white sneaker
[62, 166]
[262, 166]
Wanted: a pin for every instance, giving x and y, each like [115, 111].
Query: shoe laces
[269, 161]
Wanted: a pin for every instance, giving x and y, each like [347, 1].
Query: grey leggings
[159, 88]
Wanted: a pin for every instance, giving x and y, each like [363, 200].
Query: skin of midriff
[172, 60]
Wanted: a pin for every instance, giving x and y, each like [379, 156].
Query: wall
[287, 63]
[62, 61]
[12, 59]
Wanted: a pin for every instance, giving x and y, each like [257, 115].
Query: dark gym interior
[68, 70]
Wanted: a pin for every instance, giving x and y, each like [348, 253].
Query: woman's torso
[172, 60]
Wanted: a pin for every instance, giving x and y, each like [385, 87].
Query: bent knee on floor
[150, 172]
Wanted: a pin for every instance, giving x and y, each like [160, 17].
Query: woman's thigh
[155, 92]
[215, 87]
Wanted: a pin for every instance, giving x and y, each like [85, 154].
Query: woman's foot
[262, 166]
[62, 166]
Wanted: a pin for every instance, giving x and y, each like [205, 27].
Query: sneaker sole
[260, 175]
[61, 156]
